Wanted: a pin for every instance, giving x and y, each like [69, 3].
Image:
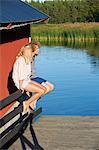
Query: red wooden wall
[8, 52]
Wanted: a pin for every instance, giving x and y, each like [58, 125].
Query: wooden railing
[21, 123]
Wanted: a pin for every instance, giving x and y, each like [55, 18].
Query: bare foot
[25, 106]
[33, 104]
[28, 93]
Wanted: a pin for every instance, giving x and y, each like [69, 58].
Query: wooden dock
[62, 133]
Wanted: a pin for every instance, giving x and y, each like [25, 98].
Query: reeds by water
[66, 32]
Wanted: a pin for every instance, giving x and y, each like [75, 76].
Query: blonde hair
[21, 52]
[34, 45]
[31, 45]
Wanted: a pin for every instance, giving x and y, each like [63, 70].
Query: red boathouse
[16, 17]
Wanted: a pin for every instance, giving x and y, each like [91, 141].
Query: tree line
[62, 11]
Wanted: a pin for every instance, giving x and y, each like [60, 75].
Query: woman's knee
[48, 89]
[51, 86]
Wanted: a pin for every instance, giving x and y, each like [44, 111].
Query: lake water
[74, 72]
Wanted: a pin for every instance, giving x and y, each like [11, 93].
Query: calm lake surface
[74, 71]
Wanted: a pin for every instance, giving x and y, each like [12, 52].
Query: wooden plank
[11, 115]
[11, 98]
[19, 119]
[65, 133]
[12, 133]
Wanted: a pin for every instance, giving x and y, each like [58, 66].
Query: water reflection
[91, 48]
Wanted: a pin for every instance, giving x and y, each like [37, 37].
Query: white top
[21, 71]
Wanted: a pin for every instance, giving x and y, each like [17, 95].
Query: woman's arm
[21, 73]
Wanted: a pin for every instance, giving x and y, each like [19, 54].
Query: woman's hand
[20, 85]
[21, 89]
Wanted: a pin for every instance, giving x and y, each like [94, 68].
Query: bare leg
[33, 103]
[38, 84]
[49, 87]
[38, 93]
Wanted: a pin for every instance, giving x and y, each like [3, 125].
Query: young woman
[22, 75]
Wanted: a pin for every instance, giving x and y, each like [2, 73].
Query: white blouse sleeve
[21, 66]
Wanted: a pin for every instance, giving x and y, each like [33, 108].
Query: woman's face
[28, 52]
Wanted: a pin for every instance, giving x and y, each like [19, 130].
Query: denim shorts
[38, 79]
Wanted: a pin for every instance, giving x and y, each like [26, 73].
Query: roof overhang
[11, 26]
[18, 13]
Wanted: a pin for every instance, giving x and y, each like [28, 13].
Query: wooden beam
[11, 98]
[11, 115]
